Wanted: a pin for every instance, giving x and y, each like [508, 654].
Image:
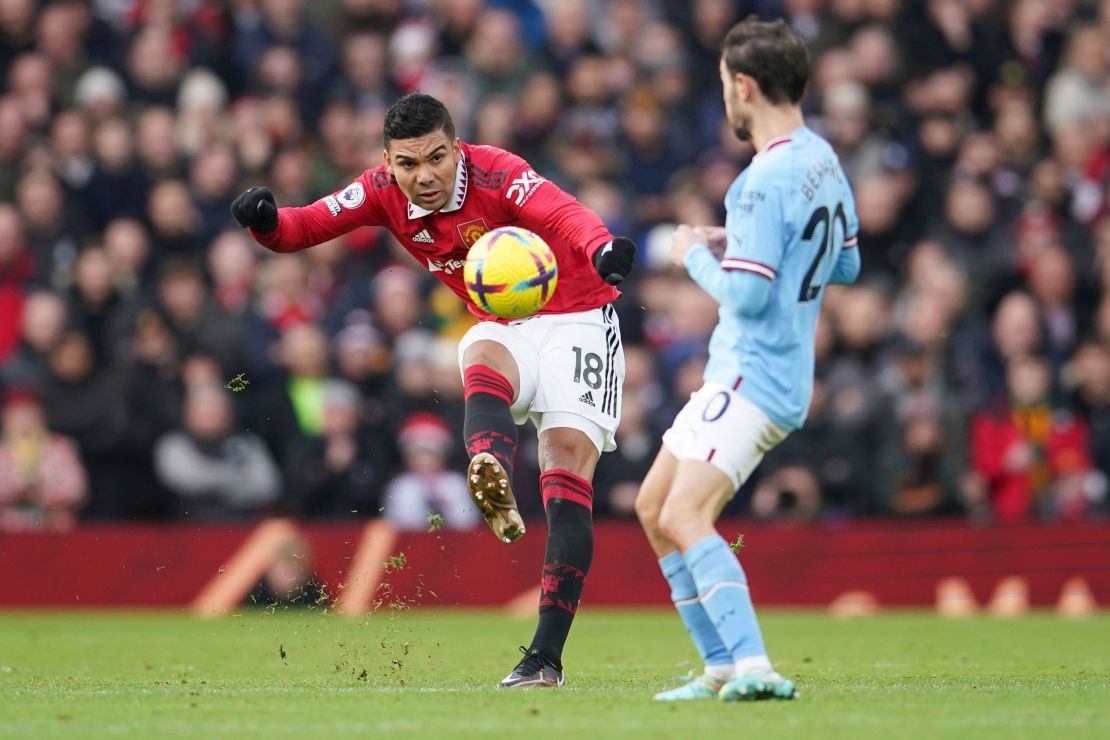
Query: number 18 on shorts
[571, 370]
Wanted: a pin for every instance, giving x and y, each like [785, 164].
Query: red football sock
[488, 426]
[568, 501]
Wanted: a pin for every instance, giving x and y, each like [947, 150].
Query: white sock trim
[722, 584]
[752, 664]
[720, 672]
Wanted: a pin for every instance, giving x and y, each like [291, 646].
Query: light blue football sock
[723, 592]
[684, 594]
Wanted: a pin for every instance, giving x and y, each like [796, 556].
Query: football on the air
[510, 272]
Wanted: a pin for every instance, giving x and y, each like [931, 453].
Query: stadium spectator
[788, 495]
[95, 306]
[427, 487]
[343, 470]
[84, 401]
[197, 323]
[42, 321]
[42, 482]
[619, 473]
[294, 407]
[233, 267]
[1030, 455]
[16, 268]
[285, 302]
[920, 423]
[1015, 331]
[214, 471]
[127, 245]
[117, 188]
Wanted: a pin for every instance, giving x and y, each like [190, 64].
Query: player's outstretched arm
[742, 291]
[745, 293]
[296, 228]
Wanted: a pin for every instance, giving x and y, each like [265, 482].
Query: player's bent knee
[671, 521]
[647, 509]
[653, 491]
[570, 450]
[679, 520]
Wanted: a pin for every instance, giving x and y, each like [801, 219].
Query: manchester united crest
[472, 231]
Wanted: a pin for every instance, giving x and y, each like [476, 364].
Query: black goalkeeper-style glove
[613, 261]
[256, 209]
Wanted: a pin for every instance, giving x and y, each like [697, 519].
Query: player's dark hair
[416, 114]
[773, 54]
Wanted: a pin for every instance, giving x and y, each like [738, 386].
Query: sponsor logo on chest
[445, 266]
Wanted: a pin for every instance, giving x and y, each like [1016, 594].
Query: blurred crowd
[157, 364]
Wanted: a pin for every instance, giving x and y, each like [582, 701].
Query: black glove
[256, 209]
[613, 261]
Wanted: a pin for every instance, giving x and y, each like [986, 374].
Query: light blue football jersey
[791, 217]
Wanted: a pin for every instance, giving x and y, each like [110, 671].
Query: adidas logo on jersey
[423, 237]
[587, 398]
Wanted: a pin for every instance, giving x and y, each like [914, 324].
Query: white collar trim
[458, 195]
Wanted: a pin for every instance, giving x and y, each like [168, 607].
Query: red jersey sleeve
[331, 216]
[542, 205]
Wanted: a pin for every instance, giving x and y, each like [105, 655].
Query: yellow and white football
[511, 272]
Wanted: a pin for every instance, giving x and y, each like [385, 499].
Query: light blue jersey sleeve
[742, 280]
[744, 293]
[848, 264]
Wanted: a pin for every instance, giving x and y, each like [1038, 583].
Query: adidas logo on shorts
[587, 398]
[423, 237]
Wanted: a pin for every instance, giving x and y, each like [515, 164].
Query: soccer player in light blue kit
[790, 231]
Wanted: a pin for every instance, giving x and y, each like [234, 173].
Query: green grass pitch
[432, 674]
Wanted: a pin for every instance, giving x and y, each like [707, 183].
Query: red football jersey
[493, 188]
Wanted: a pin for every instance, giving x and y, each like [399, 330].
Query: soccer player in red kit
[563, 368]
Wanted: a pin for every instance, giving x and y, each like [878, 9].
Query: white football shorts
[571, 370]
[721, 427]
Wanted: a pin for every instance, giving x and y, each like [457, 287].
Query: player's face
[425, 167]
[737, 110]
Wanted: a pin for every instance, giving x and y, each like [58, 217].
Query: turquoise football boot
[701, 687]
[766, 684]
